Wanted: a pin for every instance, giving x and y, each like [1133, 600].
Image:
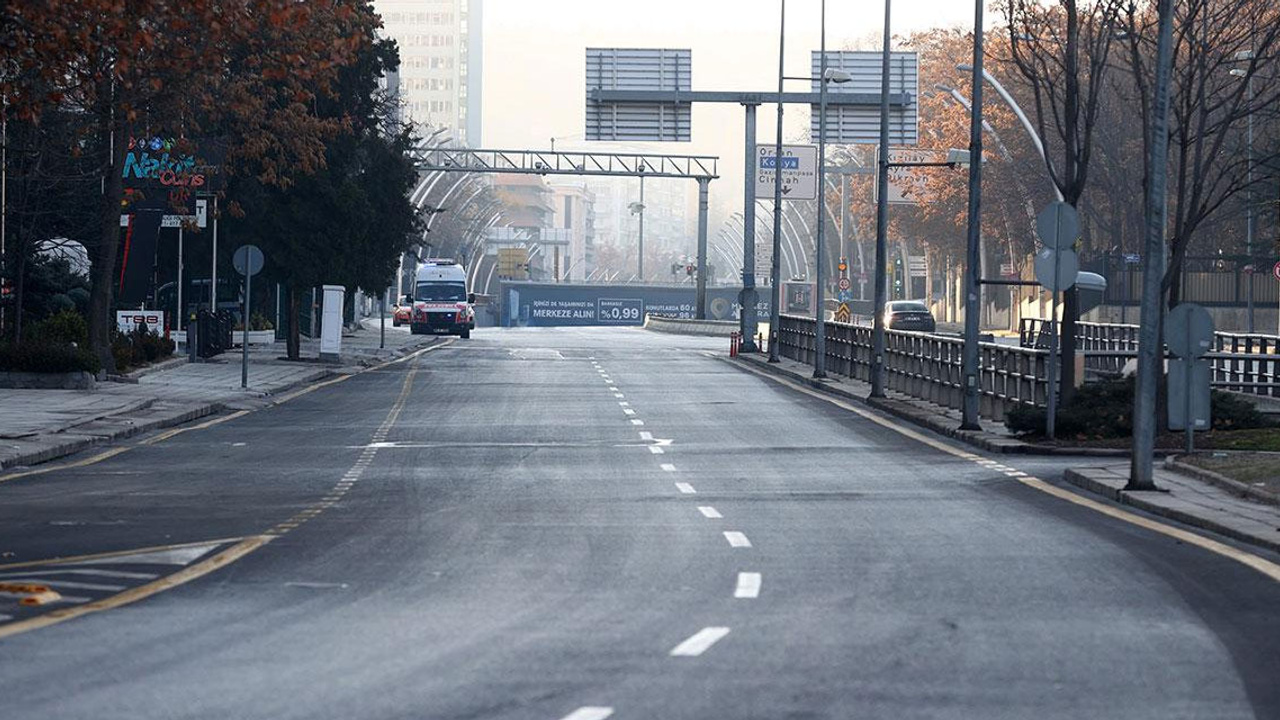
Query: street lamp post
[820, 315]
[882, 219]
[969, 359]
[1244, 56]
[774, 270]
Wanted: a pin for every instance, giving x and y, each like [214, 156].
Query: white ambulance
[441, 303]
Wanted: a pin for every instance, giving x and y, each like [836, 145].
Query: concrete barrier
[682, 326]
[47, 381]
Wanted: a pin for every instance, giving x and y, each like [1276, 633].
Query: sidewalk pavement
[1188, 500]
[40, 425]
[1184, 498]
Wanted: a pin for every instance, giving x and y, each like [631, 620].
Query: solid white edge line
[699, 642]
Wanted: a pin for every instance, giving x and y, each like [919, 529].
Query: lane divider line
[748, 587]
[709, 512]
[686, 488]
[699, 642]
[737, 539]
[589, 712]
[1255, 562]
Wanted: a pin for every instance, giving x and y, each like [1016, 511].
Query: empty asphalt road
[600, 523]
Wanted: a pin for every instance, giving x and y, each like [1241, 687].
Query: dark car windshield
[440, 292]
[900, 307]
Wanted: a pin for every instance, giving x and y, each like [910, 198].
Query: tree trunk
[293, 339]
[102, 256]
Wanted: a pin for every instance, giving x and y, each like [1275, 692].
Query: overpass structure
[701, 168]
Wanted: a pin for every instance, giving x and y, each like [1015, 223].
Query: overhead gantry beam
[549, 162]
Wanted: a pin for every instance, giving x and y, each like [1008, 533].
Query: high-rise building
[441, 56]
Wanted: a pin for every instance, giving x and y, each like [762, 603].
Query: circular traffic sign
[1058, 225]
[1068, 267]
[1275, 271]
[247, 256]
[1188, 331]
[843, 283]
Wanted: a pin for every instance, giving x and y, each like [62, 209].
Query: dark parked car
[909, 315]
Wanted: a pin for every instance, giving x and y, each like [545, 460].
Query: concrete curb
[75, 444]
[1222, 481]
[1095, 480]
[161, 366]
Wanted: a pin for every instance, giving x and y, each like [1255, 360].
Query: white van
[441, 303]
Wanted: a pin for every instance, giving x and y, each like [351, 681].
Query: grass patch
[1259, 470]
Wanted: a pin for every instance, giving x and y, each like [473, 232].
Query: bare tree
[1225, 70]
[1061, 51]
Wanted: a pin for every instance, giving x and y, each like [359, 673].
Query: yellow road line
[178, 431]
[116, 553]
[65, 466]
[1262, 565]
[185, 575]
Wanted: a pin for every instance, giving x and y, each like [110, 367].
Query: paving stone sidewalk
[40, 425]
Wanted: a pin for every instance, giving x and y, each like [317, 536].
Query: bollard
[733, 344]
[193, 332]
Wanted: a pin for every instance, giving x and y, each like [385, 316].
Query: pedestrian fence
[1240, 362]
[924, 365]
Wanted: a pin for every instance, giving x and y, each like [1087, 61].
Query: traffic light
[688, 270]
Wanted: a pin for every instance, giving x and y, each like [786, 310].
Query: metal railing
[924, 366]
[1240, 362]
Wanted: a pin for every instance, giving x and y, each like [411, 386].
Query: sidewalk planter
[47, 381]
[256, 337]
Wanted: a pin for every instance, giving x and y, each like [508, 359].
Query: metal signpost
[636, 88]
[1189, 334]
[248, 262]
[1056, 266]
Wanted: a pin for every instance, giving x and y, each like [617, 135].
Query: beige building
[441, 52]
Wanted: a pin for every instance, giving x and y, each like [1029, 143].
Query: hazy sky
[534, 61]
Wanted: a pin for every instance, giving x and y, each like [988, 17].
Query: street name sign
[799, 172]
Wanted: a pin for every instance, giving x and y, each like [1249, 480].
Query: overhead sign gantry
[646, 95]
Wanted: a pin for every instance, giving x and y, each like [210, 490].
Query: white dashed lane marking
[709, 512]
[736, 539]
[700, 642]
[685, 488]
[589, 712]
[748, 585]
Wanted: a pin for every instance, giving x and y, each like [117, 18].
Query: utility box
[331, 323]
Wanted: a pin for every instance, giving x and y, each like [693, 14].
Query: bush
[46, 357]
[139, 347]
[65, 328]
[1105, 410]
